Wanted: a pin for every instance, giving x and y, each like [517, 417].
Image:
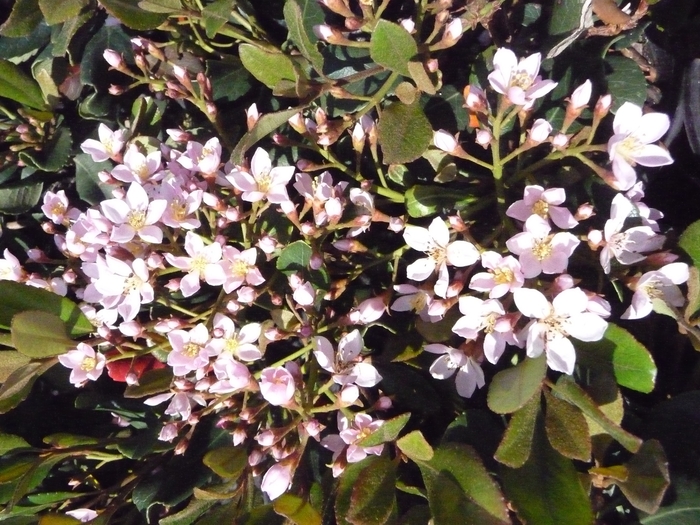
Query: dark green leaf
[265, 125]
[20, 297]
[296, 509]
[39, 334]
[389, 431]
[566, 428]
[294, 257]
[346, 483]
[19, 384]
[21, 48]
[415, 446]
[392, 46]
[568, 390]
[189, 514]
[93, 67]
[131, 15]
[463, 464]
[16, 85]
[57, 12]
[515, 446]
[510, 389]
[566, 16]
[150, 383]
[87, 182]
[547, 490]
[632, 363]
[61, 40]
[216, 15]
[300, 16]
[229, 79]
[268, 67]
[398, 146]
[684, 509]
[450, 505]
[25, 16]
[373, 497]
[647, 477]
[626, 82]
[160, 6]
[227, 462]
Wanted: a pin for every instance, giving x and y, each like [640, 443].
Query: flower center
[502, 275]
[520, 79]
[58, 209]
[542, 249]
[132, 284]
[418, 301]
[541, 208]
[437, 253]
[231, 345]
[199, 263]
[179, 209]
[191, 350]
[264, 181]
[136, 219]
[88, 363]
[239, 268]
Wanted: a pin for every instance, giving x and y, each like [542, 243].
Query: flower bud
[445, 141]
[539, 132]
[585, 211]
[483, 138]
[560, 141]
[114, 58]
[602, 107]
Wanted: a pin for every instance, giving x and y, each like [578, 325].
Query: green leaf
[389, 431]
[160, 6]
[392, 46]
[463, 464]
[268, 67]
[547, 489]
[93, 67]
[450, 505]
[20, 297]
[415, 446]
[87, 182]
[514, 449]
[229, 79]
[631, 362]
[294, 257]
[131, 15]
[683, 510]
[20, 382]
[398, 146]
[346, 483]
[566, 428]
[296, 509]
[16, 85]
[373, 496]
[423, 200]
[690, 242]
[19, 197]
[195, 509]
[566, 16]
[300, 16]
[10, 442]
[61, 41]
[150, 383]
[216, 15]
[626, 82]
[39, 334]
[25, 16]
[11, 360]
[568, 390]
[57, 12]
[263, 127]
[647, 477]
[421, 77]
[65, 440]
[55, 154]
[227, 462]
[512, 388]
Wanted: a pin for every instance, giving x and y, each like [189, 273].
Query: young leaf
[690, 242]
[57, 12]
[228, 462]
[10, 442]
[294, 257]
[567, 430]
[423, 200]
[568, 390]
[450, 505]
[160, 6]
[415, 446]
[11, 360]
[39, 334]
[398, 146]
[20, 382]
[24, 17]
[511, 388]
[547, 489]
[296, 509]
[392, 46]
[268, 67]
[389, 431]
[515, 446]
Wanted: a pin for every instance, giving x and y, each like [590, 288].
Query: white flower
[519, 80]
[659, 284]
[469, 374]
[553, 323]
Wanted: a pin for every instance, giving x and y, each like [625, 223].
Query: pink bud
[277, 479]
[277, 385]
[113, 58]
[603, 106]
[560, 141]
[585, 211]
[581, 95]
[483, 138]
[540, 131]
[445, 141]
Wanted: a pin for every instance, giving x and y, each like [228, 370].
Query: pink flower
[553, 323]
[192, 349]
[239, 267]
[138, 167]
[277, 385]
[361, 427]
[413, 299]
[202, 264]
[134, 215]
[277, 480]
[264, 181]
[242, 343]
[504, 275]
[632, 143]
[109, 145]
[539, 251]
[469, 375]
[519, 80]
[435, 242]
[10, 268]
[82, 515]
[657, 285]
[85, 364]
[545, 203]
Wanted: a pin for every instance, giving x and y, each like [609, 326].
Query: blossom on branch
[519, 80]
